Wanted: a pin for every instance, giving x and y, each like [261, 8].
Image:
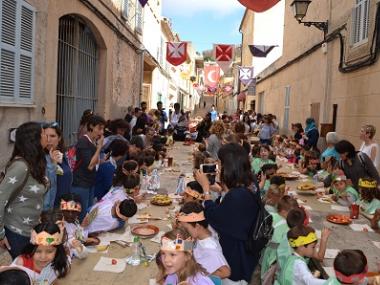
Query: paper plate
[145, 231]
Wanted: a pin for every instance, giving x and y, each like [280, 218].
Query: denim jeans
[87, 199]
[17, 242]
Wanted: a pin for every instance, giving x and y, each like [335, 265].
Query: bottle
[134, 259]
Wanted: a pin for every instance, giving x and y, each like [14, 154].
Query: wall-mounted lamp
[300, 9]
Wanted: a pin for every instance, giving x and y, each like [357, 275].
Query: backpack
[261, 231]
[71, 155]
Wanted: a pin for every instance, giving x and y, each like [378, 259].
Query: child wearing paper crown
[193, 192]
[44, 258]
[76, 234]
[207, 251]
[176, 262]
[369, 195]
[294, 270]
[350, 267]
[344, 194]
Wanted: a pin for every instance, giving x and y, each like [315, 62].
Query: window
[359, 30]
[16, 51]
[286, 108]
[127, 9]
[139, 17]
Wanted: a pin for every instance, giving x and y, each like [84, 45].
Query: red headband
[352, 278]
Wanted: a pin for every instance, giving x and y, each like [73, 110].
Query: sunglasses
[53, 125]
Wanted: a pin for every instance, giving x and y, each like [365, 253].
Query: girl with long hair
[23, 188]
[44, 258]
[176, 262]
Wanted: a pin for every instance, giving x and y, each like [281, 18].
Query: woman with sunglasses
[58, 169]
[22, 188]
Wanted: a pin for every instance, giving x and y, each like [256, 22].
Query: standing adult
[214, 114]
[266, 130]
[235, 215]
[23, 188]
[141, 121]
[176, 115]
[298, 131]
[59, 172]
[355, 165]
[214, 141]
[83, 122]
[369, 146]
[163, 118]
[88, 150]
[311, 134]
[331, 140]
[203, 128]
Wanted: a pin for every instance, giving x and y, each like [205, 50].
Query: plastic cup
[170, 161]
[354, 211]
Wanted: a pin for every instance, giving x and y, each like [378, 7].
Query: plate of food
[161, 200]
[306, 188]
[145, 231]
[288, 176]
[339, 219]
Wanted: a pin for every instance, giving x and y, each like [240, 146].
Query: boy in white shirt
[207, 250]
[108, 214]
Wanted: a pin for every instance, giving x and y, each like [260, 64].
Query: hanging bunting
[261, 51]
[176, 53]
[224, 55]
[246, 74]
[143, 2]
[212, 75]
[258, 5]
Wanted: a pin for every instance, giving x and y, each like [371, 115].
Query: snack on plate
[288, 176]
[339, 219]
[161, 200]
[145, 231]
[306, 186]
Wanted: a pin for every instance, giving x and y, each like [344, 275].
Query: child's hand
[325, 234]
[77, 245]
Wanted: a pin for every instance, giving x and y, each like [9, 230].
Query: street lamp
[300, 9]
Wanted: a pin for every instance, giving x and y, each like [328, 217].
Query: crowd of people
[237, 225]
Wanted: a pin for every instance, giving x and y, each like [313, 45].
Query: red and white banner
[176, 53]
[211, 75]
[224, 55]
[259, 5]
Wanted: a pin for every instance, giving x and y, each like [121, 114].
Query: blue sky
[205, 22]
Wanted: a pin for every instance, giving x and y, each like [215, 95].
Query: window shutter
[125, 8]
[7, 73]
[365, 22]
[139, 17]
[26, 56]
[360, 21]
[8, 22]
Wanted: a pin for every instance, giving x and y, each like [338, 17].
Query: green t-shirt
[257, 163]
[370, 207]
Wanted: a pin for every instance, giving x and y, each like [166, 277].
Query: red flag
[176, 53]
[212, 75]
[223, 52]
[259, 5]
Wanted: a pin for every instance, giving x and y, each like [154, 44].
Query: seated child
[369, 195]
[130, 166]
[12, 275]
[107, 215]
[267, 171]
[176, 262]
[350, 267]
[207, 251]
[275, 193]
[312, 164]
[169, 138]
[44, 258]
[303, 240]
[193, 192]
[280, 229]
[294, 219]
[258, 162]
[71, 208]
[344, 194]
[72, 243]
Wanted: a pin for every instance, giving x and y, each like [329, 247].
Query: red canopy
[259, 5]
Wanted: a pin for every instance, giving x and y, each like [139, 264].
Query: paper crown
[339, 178]
[303, 240]
[192, 217]
[178, 244]
[70, 206]
[351, 279]
[193, 194]
[44, 238]
[364, 183]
